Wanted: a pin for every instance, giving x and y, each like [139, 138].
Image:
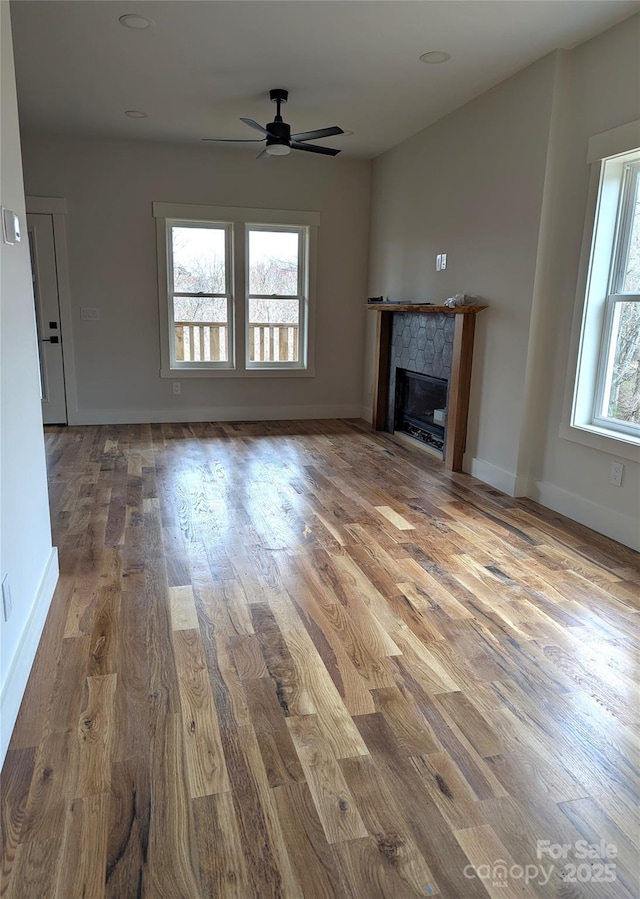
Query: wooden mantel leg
[459, 388]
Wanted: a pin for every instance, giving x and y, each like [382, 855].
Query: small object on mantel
[462, 299]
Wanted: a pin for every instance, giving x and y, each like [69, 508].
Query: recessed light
[136, 114]
[137, 22]
[435, 57]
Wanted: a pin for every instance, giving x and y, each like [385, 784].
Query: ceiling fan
[277, 134]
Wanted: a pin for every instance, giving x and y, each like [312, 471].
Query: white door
[45, 289]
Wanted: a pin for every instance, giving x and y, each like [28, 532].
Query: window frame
[190, 365]
[302, 297]
[608, 153]
[237, 218]
[628, 187]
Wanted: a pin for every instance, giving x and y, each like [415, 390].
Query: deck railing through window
[207, 342]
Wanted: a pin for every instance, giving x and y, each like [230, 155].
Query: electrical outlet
[89, 315]
[7, 604]
[177, 388]
[615, 477]
[443, 261]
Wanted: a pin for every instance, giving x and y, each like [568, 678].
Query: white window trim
[237, 218]
[577, 423]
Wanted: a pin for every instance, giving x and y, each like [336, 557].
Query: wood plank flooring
[299, 661]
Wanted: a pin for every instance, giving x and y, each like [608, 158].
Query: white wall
[598, 88]
[501, 186]
[25, 537]
[471, 186]
[110, 186]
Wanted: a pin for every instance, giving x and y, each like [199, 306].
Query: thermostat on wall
[10, 227]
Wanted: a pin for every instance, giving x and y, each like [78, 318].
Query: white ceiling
[204, 64]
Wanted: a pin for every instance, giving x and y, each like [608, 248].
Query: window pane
[274, 327]
[201, 329]
[631, 281]
[623, 399]
[273, 262]
[198, 260]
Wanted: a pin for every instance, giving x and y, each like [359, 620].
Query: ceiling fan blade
[315, 135]
[252, 124]
[234, 140]
[311, 148]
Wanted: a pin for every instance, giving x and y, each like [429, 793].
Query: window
[199, 263]
[276, 275]
[617, 402]
[235, 290]
[607, 390]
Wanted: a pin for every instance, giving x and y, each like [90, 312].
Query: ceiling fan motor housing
[279, 133]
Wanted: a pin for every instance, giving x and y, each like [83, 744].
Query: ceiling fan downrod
[278, 95]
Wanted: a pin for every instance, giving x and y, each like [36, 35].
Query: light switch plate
[7, 602]
[10, 227]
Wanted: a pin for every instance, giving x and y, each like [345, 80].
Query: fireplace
[420, 407]
[405, 340]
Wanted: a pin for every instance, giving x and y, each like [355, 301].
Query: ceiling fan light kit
[277, 150]
[277, 134]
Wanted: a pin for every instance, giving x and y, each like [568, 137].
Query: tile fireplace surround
[419, 343]
[429, 340]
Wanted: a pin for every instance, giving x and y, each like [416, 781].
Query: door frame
[56, 207]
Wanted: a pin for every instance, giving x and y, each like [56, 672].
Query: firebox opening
[420, 409]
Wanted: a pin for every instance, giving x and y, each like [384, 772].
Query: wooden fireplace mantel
[424, 307]
[459, 384]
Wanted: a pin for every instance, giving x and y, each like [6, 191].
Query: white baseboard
[366, 412]
[623, 528]
[223, 413]
[491, 474]
[25, 652]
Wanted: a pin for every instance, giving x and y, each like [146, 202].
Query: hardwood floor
[298, 660]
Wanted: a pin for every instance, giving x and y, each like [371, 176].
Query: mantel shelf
[422, 307]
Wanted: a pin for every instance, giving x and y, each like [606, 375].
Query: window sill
[624, 446]
[177, 373]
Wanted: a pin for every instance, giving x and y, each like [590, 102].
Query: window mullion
[239, 303]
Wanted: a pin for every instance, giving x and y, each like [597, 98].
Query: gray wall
[597, 89]
[110, 186]
[26, 555]
[471, 186]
